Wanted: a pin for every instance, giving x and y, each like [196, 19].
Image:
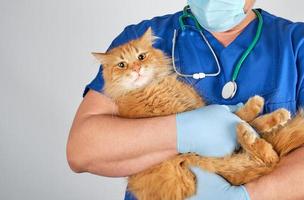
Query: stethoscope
[229, 90]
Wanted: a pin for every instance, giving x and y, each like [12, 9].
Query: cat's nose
[136, 67]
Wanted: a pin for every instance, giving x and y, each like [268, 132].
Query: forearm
[102, 144]
[285, 183]
[130, 166]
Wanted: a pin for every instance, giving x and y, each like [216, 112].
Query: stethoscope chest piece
[229, 90]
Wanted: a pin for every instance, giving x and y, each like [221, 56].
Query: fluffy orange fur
[139, 79]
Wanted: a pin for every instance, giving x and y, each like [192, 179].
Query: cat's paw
[245, 134]
[256, 104]
[282, 116]
[272, 121]
[251, 109]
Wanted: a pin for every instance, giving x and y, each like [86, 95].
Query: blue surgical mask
[218, 15]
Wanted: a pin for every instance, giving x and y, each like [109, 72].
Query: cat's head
[133, 65]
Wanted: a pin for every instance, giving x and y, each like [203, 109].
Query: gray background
[45, 63]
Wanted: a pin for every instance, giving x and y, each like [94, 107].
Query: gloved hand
[210, 186]
[208, 131]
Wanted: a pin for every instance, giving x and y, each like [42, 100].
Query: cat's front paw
[251, 109]
[245, 134]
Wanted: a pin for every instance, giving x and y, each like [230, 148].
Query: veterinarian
[222, 73]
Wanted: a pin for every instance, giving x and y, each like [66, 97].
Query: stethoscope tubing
[201, 75]
[196, 75]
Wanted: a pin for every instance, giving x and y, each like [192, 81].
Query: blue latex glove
[213, 187]
[208, 131]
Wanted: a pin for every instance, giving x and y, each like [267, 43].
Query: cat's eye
[142, 56]
[122, 65]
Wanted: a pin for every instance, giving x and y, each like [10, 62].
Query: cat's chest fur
[164, 97]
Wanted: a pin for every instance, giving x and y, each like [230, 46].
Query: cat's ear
[148, 37]
[101, 57]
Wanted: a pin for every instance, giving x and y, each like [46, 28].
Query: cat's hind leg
[255, 146]
[256, 159]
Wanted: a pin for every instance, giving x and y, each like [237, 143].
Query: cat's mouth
[139, 76]
[141, 79]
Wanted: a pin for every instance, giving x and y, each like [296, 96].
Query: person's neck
[226, 38]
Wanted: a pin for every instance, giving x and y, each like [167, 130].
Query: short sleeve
[98, 82]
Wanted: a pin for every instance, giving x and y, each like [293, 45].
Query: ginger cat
[139, 78]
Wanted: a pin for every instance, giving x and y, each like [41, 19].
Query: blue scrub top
[274, 69]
